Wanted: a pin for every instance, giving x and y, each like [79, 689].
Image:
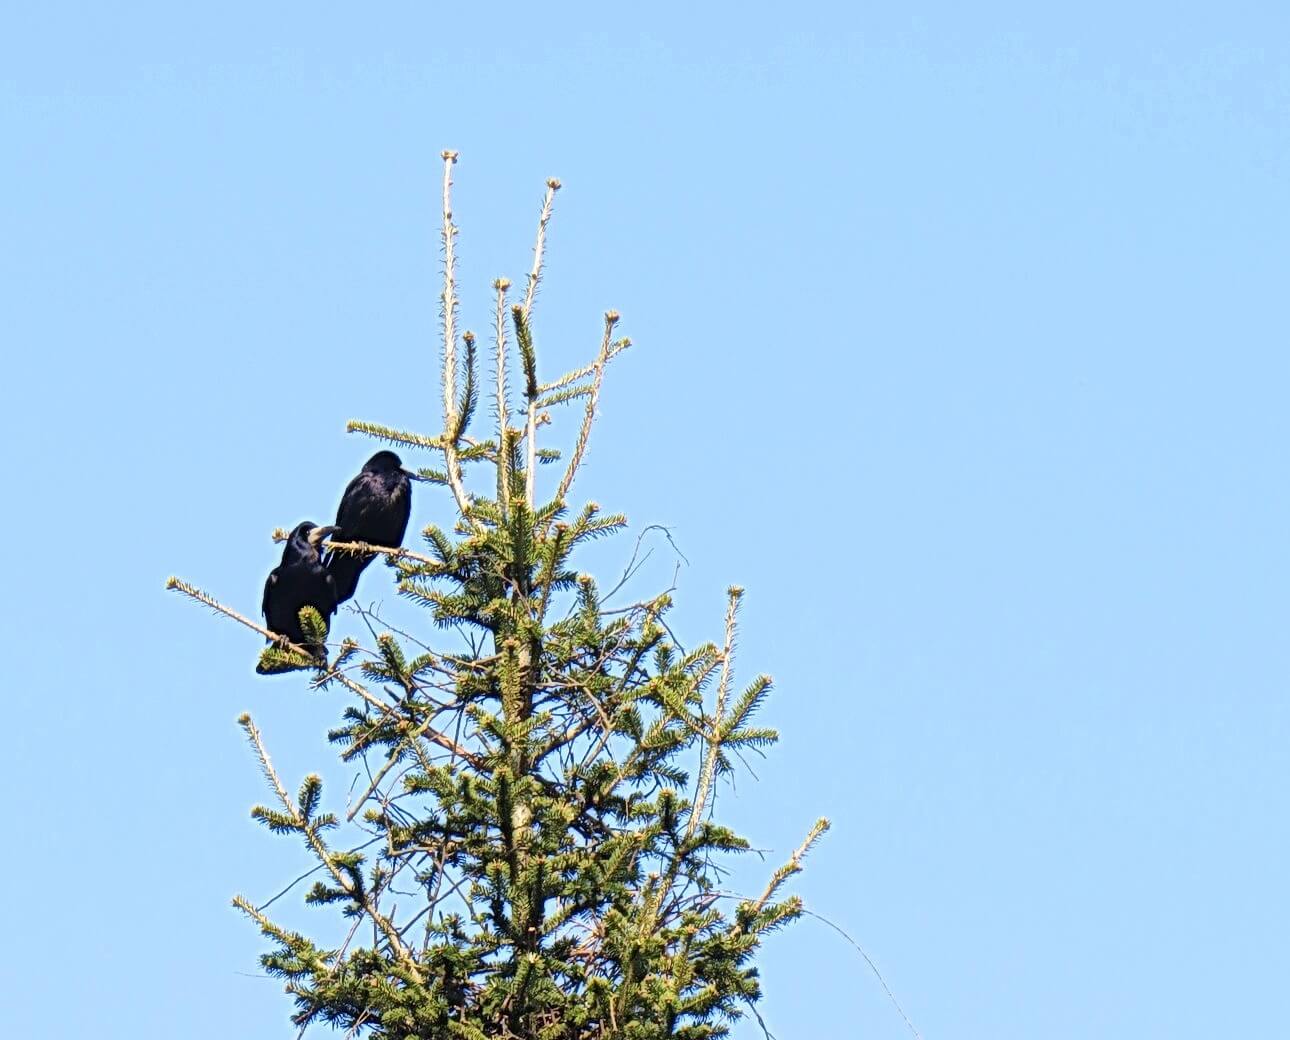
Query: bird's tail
[345, 569]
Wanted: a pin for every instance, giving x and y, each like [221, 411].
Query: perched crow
[374, 509]
[300, 580]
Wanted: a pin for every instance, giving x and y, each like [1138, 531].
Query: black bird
[374, 509]
[300, 580]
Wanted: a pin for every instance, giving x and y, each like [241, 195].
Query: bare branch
[449, 309]
[535, 275]
[206, 598]
[589, 416]
[281, 534]
[503, 400]
[375, 702]
[709, 768]
[530, 464]
[793, 866]
[382, 773]
[448, 301]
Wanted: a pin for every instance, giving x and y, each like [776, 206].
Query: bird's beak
[410, 474]
[319, 533]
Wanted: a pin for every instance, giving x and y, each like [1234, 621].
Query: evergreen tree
[548, 795]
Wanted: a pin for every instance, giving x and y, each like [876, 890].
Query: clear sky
[960, 341]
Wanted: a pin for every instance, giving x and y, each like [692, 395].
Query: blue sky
[959, 341]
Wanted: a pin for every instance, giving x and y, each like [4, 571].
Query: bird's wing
[269, 582]
[351, 502]
[331, 588]
[348, 515]
[405, 514]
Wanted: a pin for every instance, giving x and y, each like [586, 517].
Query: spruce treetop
[533, 849]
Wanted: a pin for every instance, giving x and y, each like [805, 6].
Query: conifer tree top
[533, 850]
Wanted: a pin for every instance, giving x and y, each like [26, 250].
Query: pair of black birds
[374, 509]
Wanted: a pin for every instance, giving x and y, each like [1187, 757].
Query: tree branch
[589, 415]
[320, 850]
[280, 534]
[503, 400]
[449, 308]
[535, 275]
[709, 768]
[206, 598]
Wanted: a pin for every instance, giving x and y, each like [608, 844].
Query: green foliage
[313, 626]
[535, 854]
[528, 356]
[275, 659]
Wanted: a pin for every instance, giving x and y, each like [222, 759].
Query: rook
[374, 509]
[300, 580]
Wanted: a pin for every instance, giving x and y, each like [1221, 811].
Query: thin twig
[265, 905]
[322, 680]
[448, 301]
[793, 866]
[385, 769]
[535, 275]
[310, 834]
[449, 308]
[761, 1021]
[709, 768]
[530, 446]
[359, 548]
[856, 946]
[872, 967]
[207, 599]
[269, 902]
[503, 400]
[631, 568]
[433, 734]
[589, 415]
